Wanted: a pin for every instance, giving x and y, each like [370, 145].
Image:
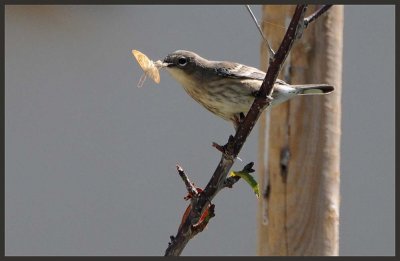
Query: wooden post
[299, 143]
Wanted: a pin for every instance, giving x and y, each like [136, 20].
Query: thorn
[218, 147]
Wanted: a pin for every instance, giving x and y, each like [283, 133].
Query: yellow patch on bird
[313, 91]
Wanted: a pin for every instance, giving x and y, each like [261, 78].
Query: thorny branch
[230, 151]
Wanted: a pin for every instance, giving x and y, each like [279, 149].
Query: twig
[271, 52]
[189, 185]
[230, 181]
[218, 147]
[234, 145]
[308, 20]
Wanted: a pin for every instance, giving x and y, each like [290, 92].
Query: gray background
[90, 158]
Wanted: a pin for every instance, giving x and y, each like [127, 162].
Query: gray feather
[238, 71]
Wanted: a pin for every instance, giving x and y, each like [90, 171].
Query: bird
[228, 89]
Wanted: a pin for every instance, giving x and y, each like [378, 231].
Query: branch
[196, 229]
[308, 20]
[230, 151]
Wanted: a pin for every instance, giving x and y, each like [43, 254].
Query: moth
[149, 67]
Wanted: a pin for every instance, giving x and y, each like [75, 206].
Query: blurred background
[90, 158]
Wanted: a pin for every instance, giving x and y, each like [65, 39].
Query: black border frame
[119, 2]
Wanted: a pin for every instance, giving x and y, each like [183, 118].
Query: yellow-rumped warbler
[228, 89]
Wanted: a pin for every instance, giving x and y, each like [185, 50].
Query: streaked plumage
[228, 89]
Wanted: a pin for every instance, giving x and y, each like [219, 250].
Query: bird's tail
[312, 89]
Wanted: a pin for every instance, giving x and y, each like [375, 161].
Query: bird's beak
[160, 64]
[167, 62]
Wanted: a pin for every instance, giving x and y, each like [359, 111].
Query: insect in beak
[149, 67]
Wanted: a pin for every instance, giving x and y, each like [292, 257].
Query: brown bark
[299, 154]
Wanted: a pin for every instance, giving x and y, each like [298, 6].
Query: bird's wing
[237, 70]
[241, 71]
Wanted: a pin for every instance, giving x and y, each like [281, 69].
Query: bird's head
[185, 65]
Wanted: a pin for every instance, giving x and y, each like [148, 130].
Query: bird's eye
[182, 61]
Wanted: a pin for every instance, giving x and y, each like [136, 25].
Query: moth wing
[147, 66]
[142, 60]
[154, 74]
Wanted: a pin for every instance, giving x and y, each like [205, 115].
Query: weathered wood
[299, 212]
